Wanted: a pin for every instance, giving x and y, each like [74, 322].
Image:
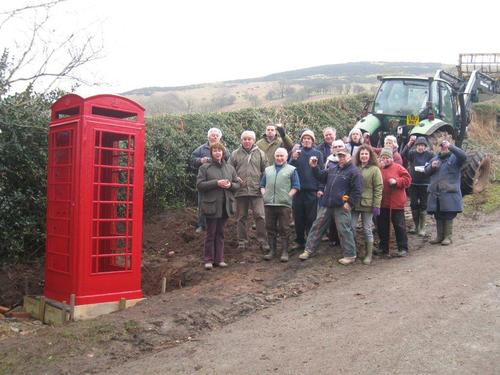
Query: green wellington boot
[369, 252]
[284, 253]
[421, 223]
[447, 232]
[439, 232]
[416, 217]
[272, 249]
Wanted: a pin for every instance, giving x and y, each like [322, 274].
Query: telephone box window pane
[62, 174]
[62, 192]
[62, 156]
[63, 139]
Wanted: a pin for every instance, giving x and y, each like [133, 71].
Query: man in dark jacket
[202, 156]
[344, 184]
[445, 196]
[329, 135]
[305, 202]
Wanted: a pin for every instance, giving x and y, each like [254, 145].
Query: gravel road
[435, 313]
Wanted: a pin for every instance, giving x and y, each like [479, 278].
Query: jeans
[343, 220]
[319, 228]
[367, 220]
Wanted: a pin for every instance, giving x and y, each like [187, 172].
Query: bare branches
[47, 53]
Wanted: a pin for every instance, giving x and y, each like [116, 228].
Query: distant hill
[314, 83]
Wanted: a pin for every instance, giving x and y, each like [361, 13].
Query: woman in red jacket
[392, 209]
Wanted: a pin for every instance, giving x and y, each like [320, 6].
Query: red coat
[395, 197]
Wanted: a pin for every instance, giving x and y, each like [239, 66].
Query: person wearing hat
[418, 156]
[445, 197]
[305, 202]
[396, 180]
[391, 142]
[342, 192]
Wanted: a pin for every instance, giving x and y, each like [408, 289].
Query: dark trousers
[305, 204]
[418, 197]
[397, 217]
[201, 218]
[213, 251]
[277, 221]
[440, 215]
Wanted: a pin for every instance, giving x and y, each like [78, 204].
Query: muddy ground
[197, 301]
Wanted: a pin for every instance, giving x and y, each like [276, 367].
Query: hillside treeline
[169, 180]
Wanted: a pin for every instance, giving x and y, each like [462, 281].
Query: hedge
[170, 140]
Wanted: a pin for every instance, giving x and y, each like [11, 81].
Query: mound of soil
[171, 250]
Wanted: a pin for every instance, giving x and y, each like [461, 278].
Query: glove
[376, 211]
[281, 130]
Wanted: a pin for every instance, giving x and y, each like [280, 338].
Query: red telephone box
[94, 200]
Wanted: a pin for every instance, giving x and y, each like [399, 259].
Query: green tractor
[437, 108]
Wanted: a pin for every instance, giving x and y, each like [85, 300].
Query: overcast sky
[180, 42]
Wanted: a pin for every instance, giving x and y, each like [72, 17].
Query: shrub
[24, 121]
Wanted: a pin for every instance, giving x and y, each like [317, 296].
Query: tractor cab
[402, 103]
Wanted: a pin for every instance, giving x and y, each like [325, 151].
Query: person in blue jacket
[417, 154]
[344, 184]
[445, 197]
[305, 202]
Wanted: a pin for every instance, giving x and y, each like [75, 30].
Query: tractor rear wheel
[475, 173]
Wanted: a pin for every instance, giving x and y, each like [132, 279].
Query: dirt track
[437, 312]
[402, 315]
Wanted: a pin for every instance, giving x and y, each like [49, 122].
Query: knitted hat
[421, 141]
[309, 133]
[386, 151]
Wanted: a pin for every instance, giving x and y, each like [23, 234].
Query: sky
[181, 42]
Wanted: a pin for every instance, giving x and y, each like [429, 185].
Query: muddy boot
[421, 223]
[416, 221]
[439, 232]
[272, 249]
[369, 252]
[447, 232]
[284, 254]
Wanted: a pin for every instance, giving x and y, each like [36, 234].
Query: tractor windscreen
[401, 97]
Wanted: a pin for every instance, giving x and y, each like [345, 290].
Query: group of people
[327, 188]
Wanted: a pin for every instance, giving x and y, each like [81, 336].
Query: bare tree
[283, 86]
[45, 54]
